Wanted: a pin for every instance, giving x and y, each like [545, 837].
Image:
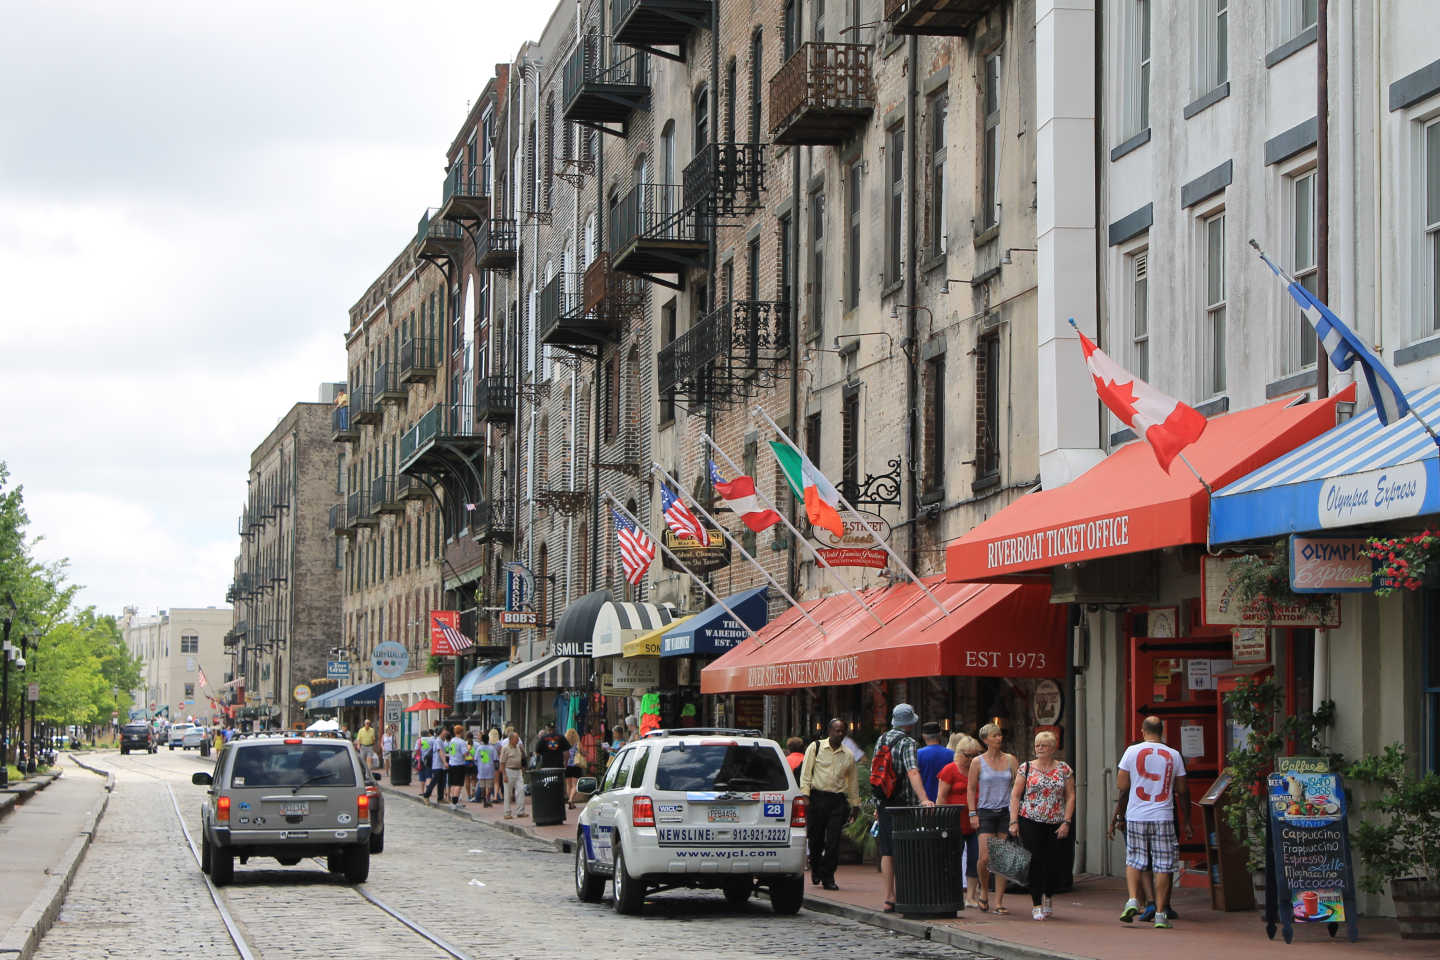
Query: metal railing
[337, 520]
[490, 518]
[463, 180]
[418, 354]
[598, 61]
[363, 406]
[822, 76]
[560, 300]
[726, 179]
[494, 397]
[385, 380]
[382, 492]
[432, 229]
[654, 211]
[442, 421]
[495, 243]
[340, 419]
[356, 506]
[727, 345]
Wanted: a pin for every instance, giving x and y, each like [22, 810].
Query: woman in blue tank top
[991, 776]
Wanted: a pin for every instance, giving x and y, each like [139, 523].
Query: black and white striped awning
[596, 625]
[556, 673]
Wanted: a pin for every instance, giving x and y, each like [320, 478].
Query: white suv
[707, 808]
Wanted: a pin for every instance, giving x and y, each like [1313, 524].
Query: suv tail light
[291, 740]
[222, 810]
[642, 812]
[797, 811]
[362, 807]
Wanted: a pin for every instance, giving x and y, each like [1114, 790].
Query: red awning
[1127, 504]
[988, 630]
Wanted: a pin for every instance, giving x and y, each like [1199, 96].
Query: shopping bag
[1010, 859]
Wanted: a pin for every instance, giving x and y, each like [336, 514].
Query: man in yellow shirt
[365, 740]
[828, 776]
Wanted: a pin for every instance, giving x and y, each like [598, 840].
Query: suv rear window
[292, 765]
[717, 766]
[134, 728]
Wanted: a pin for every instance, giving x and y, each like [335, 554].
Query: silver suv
[289, 797]
[698, 807]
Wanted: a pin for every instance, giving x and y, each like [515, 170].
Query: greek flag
[1345, 348]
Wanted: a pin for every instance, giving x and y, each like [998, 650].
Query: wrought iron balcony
[418, 360]
[652, 231]
[464, 198]
[564, 319]
[387, 384]
[936, 18]
[340, 522]
[824, 94]
[357, 509]
[495, 399]
[384, 498]
[437, 238]
[490, 522]
[342, 428]
[667, 23]
[725, 180]
[603, 84]
[278, 570]
[446, 429]
[719, 358]
[409, 488]
[495, 245]
[363, 408]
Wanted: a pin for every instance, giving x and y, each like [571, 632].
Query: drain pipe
[911, 387]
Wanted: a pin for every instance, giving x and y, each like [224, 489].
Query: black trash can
[547, 795]
[205, 744]
[928, 846]
[400, 768]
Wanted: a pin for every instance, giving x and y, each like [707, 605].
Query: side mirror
[201, 779]
[587, 785]
[377, 776]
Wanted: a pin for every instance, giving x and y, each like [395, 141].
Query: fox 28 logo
[775, 810]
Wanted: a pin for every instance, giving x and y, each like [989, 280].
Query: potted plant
[1398, 839]
[1402, 562]
[1261, 582]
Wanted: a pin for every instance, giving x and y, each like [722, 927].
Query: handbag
[1010, 859]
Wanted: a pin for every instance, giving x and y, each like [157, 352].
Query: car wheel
[588, 887]
[629, 892]
[377, 842]
[787, 894]
[172, 747]
[357, 863]
[335, 863]
[204, 855]
[222, 866]
[738, 892]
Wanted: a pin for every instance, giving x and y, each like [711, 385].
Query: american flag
[636, 549]
[680, 520]
[459, 643]
[203, 684]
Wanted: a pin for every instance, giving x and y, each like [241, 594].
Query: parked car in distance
[137, 736]
[186, 735]
[289, 797]
[698, 807]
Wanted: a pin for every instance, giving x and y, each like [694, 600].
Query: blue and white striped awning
[465, 691]
[1357, 473]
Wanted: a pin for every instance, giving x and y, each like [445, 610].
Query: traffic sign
[301, 692]
[337, 669]
[32, 692]
[392, 710]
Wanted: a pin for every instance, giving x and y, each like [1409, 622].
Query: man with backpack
[895, 780]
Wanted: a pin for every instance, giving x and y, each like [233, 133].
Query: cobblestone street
[140, 893]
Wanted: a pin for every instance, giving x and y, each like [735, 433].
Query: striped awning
[499, 683]
[622, 620]
[556, 673]
[1359, 472]
[355, 694]
[465, 691]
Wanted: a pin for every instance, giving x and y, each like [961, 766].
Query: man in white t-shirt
[1150, 781]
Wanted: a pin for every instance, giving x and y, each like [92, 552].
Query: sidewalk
[1086, 922]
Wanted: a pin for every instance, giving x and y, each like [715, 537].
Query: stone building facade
[174, 646]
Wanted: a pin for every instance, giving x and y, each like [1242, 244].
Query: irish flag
[739, 495]
[809, 484]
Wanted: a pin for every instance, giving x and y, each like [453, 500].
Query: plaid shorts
[1151, 845]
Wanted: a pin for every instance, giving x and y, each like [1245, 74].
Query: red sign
[853, 556]
[439, 643]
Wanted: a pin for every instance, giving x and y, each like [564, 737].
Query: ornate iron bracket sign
[574, 170]
[876, 489]
[567, 503]
[537, 216]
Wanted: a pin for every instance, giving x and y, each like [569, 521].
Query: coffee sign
[1309, 877]
[1330, 565]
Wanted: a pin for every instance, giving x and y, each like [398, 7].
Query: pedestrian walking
[1150, 780]
[365, 740]
[1042, 812]
[895, 776]
[988, 796]
[932, 757]
[484, 770]
[420, 760]
[954, 788]
[572, 766]
[632, 729]
[455, 765]
[470, 770]
[830, 779]
[795, 754]
[439, 744]
[617, 742]
[387, 746]
[512, 769]
[496, 787]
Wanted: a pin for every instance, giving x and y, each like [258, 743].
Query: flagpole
[661, 544]
[656, 468]
[757, 409]
[799, 537]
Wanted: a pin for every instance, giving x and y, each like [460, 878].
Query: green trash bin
[928, 844]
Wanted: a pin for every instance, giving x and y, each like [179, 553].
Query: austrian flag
[1167, 424]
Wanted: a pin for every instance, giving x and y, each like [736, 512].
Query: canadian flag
[1167, 424]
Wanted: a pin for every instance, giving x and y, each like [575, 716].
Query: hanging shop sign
[337, 669]
[389, 660]
[1330, 565]
[697, 558]
[1222, 607]
[519, 588]
[440, 620]
[636, 672]
[515, 619]
[856, 547]
[301, 693]
[1047, 702]
[1249, 645]
[1308, 873]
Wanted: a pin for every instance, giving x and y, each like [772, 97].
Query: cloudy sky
[191, 197]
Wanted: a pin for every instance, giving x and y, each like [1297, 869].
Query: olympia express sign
[1056, 544]
[1388, 493]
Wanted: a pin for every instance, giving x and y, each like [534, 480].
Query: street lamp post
[30, 765]
[7, 653]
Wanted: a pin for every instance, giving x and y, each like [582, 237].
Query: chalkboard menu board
[1308, 873]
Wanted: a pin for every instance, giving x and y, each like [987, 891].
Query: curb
[26, 932]
[560, 844]
[16, 794]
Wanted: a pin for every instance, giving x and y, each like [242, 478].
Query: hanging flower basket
[1402, 562]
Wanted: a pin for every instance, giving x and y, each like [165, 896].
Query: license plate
[295, 835]
[723, 814]
[300, 808]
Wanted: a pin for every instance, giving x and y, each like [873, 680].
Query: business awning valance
[648, 644]
[597, 625]
[1127, 504]
[498, 683]
[712, 631]
[353, 695]
[1360, 472]
[987, 630]
[465, 691]
[556, 673]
